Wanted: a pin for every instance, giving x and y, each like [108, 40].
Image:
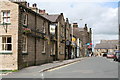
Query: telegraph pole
[119, 39]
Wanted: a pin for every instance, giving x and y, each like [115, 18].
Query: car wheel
[114, 59]
[118, 60]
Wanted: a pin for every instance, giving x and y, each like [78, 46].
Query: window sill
[24, 25]
[6, 52]
[43, 52]
[5, 24]
[61, 53]
[52, 54]
[24, 53]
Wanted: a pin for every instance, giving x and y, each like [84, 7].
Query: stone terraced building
[30, 36]
[106, 46]
[24, 36]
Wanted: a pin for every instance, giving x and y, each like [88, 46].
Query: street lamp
[73, 53]
[5, 25]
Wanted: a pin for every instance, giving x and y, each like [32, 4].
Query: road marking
[62, 66]
[111, 60]
[2, 74]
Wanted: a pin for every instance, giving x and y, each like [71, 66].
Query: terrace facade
[24, 36]
[106, 46]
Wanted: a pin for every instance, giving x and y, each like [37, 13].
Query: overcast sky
[100, 15]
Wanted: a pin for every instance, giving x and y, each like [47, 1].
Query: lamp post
[72, 41]
[119, 39]
[5, 25]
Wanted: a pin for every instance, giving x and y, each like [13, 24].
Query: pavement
[59, 64]
[29, 71]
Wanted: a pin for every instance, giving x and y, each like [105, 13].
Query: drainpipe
[35, 39]
[65, 41]
[119, 39]
[57, 41]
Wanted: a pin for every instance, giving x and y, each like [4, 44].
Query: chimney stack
[66, 19]
[22, 2]
[90, 30]
[75, 25]
[42, 11]
[61, 13]
[34, 7]
[85, 27]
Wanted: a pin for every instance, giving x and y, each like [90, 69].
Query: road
[92, 67]
[95, 67]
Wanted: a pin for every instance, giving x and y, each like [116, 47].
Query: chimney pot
[66, 19]
[35, 5]
[61, 13]
[41, 11]
[32, 5]
[28, 5]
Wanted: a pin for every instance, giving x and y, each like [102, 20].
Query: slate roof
[81, 29]
[107, 44]
[52, 18]
[110, 41]
[76, 31]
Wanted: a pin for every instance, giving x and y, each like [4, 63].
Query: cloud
[97, 38]
[107, 22]
[101, 18]
[73, 0]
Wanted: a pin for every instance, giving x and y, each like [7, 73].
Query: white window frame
[7, 16]
[43, 45]
[4, 50]
[44, 26]
[0, 17]
[53, 50]
[24, 43]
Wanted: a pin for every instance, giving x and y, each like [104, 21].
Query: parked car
[105, 55]
[117, 56]
[110, 55]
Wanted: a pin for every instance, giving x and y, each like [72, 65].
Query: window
[53, 49]
[6, 43]
[44, 26]
[43, 29]
[0, 17]
[43, 46]
[5, 15]
[63, 31]
[24, 44]
[67, 35]
[25, 19]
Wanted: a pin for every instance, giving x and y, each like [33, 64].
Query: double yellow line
[65, 65]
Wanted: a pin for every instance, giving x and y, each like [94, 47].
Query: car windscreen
[118, 54]
[110, 53]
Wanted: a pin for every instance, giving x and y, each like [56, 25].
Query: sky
[100, 15]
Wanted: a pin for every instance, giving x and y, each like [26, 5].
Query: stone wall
[9, 60]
